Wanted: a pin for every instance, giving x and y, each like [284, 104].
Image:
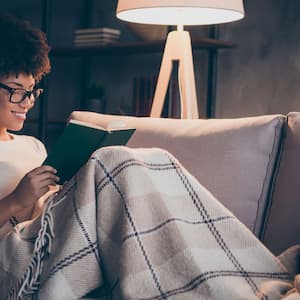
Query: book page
[112, 125]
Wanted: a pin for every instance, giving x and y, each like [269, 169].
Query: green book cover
[76, 144]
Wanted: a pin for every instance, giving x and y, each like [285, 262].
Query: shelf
[137, 48]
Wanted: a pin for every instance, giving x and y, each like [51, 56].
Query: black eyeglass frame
[26, 93]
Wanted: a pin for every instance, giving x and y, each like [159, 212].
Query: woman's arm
[31, 187]
[8, 208]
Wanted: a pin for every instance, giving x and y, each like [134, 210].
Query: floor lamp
[178, 45]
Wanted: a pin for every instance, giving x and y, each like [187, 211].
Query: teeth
[21, 115]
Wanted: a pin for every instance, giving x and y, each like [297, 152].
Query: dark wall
[115, 72]
[261, 76]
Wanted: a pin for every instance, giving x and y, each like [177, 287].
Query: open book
[78, 141]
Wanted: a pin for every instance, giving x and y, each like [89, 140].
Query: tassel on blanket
[30, 282]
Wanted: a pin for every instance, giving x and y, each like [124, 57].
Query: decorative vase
[96, 105]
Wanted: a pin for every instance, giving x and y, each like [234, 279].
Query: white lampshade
[180, 12]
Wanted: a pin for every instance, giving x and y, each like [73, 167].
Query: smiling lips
[20, 115]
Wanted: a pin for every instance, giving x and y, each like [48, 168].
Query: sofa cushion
[283, 226]
[233, 158]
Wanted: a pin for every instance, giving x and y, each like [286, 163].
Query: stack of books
[91, 37]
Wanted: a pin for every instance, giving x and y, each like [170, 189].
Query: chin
[16, 127]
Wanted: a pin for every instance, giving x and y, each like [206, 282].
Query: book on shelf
[93, 43]
[99, 41]
[79, 140]
[92, 37]
[98, 30]
[95, 37]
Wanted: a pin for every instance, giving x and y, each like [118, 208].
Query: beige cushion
[283, 228]
[233, 158]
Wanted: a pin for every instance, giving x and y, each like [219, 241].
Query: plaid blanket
[134, 224]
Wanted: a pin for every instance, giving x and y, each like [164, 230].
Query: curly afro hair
[23, 49]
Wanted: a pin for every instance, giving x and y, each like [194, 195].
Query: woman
[131, 224]
[23, 62]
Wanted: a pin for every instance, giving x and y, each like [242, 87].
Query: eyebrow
[19, 84]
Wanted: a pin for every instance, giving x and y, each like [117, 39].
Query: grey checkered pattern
[134, 224]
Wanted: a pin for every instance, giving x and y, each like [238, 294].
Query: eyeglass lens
[19, 95]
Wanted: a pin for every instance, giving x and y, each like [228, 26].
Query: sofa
[250, 164]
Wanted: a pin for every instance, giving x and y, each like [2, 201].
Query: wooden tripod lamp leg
[178, 47]
[162, 82]
[186, 78]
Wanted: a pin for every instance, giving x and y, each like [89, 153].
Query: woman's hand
[34, 185]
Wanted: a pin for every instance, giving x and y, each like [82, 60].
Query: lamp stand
[179, 48]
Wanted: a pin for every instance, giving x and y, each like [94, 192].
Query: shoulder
[32, 142]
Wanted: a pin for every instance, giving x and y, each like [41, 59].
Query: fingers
[48, 173]
[49, 181]
[43, 169]
[34, 185]
[41, 175]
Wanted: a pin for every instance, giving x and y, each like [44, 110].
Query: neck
[4, 135]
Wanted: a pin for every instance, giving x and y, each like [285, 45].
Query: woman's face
[13, 115]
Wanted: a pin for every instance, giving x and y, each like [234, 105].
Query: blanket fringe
[30, 281]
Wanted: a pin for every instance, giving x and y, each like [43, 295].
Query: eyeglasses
[19, 95]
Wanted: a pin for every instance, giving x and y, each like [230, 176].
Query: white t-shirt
[17, 157]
